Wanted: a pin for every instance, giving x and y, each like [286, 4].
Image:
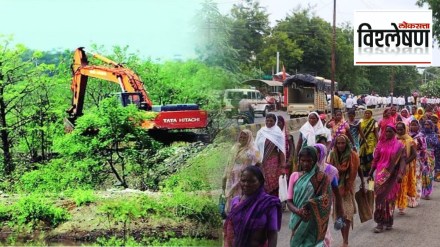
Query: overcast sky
[157, 28]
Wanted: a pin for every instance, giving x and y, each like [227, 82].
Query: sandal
[401, 212]
[389, 227]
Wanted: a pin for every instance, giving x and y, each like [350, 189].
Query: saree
[310, 133]
[421, 164]
[270, 142]
[368, 144]
[249, 215]
[405, 120]
[386, 159]
[407, 190]
[354, 131]
[241, 157]
[419, 113]
[337, 129]
[383, 123]
[347, 164]
[311, 190]
[432, 143]
[332, 174]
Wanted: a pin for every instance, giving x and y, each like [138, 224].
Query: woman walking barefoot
[389, 164]
[407, 190]
[347, 163]
[421, 161]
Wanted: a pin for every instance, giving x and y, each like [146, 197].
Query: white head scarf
[310, 132]
[274, 134]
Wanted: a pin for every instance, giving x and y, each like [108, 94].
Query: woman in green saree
[311, 202]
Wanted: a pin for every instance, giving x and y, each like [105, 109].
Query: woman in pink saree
[385, 121]
[389, 164]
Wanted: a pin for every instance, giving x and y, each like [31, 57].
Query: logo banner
[393, 37]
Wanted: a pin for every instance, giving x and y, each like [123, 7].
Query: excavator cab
[132, 98]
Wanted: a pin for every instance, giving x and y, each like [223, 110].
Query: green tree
[290, 52]
[18, 79]
[110, 135]
[434, 5]
[213, 31]
[250, 23]
[313, 36]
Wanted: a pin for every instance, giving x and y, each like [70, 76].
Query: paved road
[419, 227]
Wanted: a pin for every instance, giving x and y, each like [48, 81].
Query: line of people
[400, 153]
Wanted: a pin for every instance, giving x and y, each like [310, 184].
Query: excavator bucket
[68, 126]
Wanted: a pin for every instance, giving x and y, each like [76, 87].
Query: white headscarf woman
[309, 132]
[273, 133]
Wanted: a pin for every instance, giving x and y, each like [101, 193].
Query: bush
[130, 241]
[5, 212]
[194, 207]
[60, 175]
[81, 197]
[32, 209]
[202, 172]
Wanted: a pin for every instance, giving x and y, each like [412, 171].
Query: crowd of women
[400, 154]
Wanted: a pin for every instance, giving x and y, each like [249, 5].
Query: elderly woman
[255, 217]
[389, 164]
[243, 154]
[347, 162]
[312, 131]
[309, 200]
[271, 143]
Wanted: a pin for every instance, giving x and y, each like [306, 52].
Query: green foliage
[130, 241]
[192, 206]
[121, 211]
[34, 208]
[430, 88]
[186, 242]
[203, 172]
[434, 5]
[279, 41]
[82, 197]
[115, 241]
[5, 212]
[60, 174]
[250, 23]
[213, 45]
[313, 36]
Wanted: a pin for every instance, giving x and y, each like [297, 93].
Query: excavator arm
[184, 116]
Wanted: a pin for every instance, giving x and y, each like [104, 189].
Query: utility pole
[332, 88]
[278, 62]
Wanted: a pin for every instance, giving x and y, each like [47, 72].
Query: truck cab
[304, 93]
